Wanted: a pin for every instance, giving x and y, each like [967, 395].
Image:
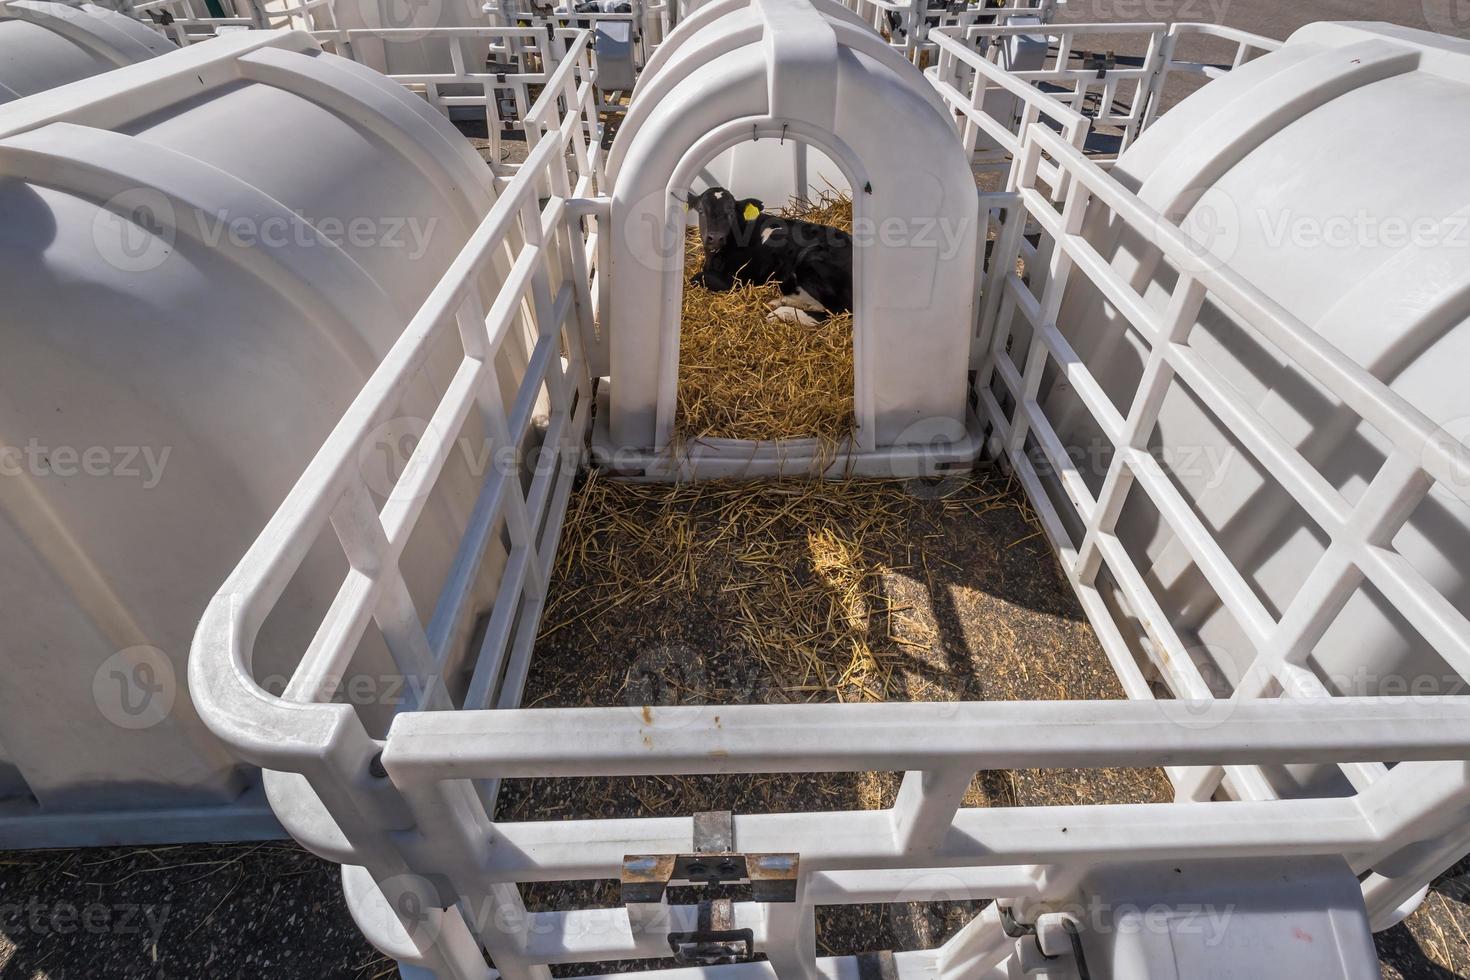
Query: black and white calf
[812, 263]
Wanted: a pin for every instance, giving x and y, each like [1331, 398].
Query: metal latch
[610, 130]
[715, 940]
[772, 877]
[1101, 63]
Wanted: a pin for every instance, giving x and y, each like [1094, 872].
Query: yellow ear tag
[752, 212]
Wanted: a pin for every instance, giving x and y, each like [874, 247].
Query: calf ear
[691, 199]
[750, 208]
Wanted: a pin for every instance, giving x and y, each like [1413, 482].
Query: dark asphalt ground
[273, 911]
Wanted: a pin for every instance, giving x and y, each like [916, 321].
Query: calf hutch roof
[45, 44]
[204, 257]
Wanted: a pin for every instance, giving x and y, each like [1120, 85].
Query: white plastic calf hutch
[44, 44]
[810, 73]
[1114, 286]
[1305, 503]
[204, 258]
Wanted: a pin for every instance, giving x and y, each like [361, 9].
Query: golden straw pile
[793, 566]
[741, 377]
[793, 591]
[756, 593]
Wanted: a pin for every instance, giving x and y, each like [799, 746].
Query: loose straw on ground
[798, 591]
[809, 590]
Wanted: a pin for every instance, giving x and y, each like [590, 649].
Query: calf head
[722, 218]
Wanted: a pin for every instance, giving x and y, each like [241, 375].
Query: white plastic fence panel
[188, 21]
[433, 878]
[1247, 48]
[406, 813]
[1117, 95]
[521, 60]
[1023, 345]
[968, 82]
[907, 24]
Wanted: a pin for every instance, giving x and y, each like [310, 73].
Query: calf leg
[803, 300]
[825, 279]
[714, 280]
[796, 305]
[799, 299]
[791, 314]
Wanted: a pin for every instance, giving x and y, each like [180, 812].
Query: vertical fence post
[1060, 268]
[925, 808]
[791, 935]
[980, 946]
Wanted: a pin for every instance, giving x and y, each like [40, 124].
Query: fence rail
[320, 753]
[908, 24]
[1248, 46]
[995, 105]
[187, 21]
[1023, 342]
[1118, 97]
[409, 815]
[434, 878]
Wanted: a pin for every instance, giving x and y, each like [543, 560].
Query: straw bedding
[800, 591]
[741, 377]
[851, 591]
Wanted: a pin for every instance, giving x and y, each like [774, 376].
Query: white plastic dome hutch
[212, 301]
[1244, 443]
[43, 44]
